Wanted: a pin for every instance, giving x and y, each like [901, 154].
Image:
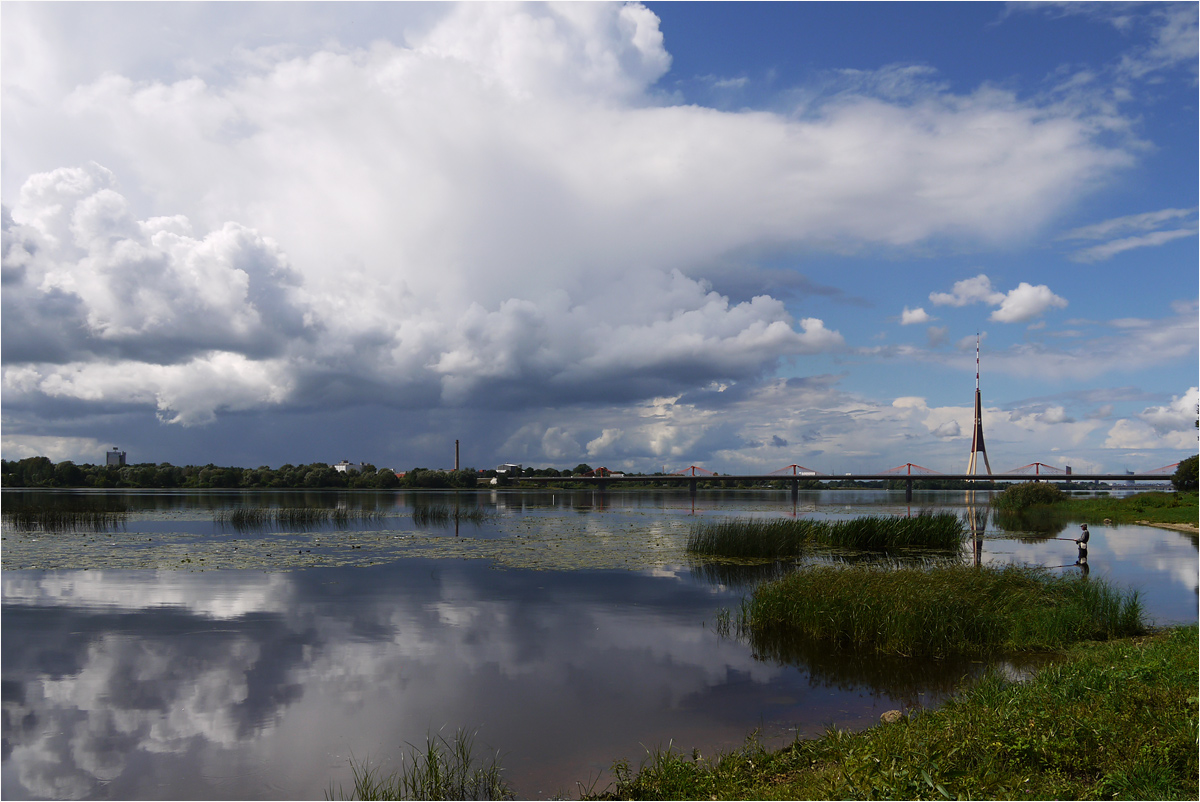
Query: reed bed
[444, 514]
[940, 611]
[782, 538]
[85, 514]
[255, 518]
[447, 769]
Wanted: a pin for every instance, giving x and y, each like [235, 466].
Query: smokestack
[456, 455]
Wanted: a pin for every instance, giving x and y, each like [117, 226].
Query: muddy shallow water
[176, 656]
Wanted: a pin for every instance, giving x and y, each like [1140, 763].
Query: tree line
[42, 472]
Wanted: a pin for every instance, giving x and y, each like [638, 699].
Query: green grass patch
[1155, 507]
[1028, 494]
[938, 611]
[782, 538]
[1114, 720]
[1180, 508]
[446, 769]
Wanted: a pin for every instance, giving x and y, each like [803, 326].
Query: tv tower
[977, 438]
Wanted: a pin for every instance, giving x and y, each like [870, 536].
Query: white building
[349, 467]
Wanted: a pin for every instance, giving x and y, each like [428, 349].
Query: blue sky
[738, 235]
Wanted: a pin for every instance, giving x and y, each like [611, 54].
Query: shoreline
[1189, 529]
[999, 739]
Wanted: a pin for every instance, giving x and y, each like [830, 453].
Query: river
[180, 652]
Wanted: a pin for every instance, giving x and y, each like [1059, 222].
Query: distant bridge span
[865, 477]
[603, 482]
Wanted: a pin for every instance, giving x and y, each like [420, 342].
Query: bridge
[603, 478]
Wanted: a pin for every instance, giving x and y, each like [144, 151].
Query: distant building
[115, 458]
[508, 467]
[349, 467]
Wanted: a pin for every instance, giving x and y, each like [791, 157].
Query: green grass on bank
[1114, 720]
[938, 611]
[1176, 508]
[1043, 501]
[777, 538]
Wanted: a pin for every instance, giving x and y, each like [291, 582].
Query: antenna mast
[977, 446]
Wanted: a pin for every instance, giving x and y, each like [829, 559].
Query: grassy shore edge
[1115, 719]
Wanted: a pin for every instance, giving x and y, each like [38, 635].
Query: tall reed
[71, 514]
[253, 518]
[781, 538]
[444, 514]
[940, 611]
[447, 769]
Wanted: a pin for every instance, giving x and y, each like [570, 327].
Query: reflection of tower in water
[977, 447]
[977, 519]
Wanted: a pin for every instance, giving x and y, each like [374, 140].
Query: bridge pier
[602, 486]
[692, 488]
[795, 490]
[908, 490]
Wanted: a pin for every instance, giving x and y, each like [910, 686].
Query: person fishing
[1082, 542]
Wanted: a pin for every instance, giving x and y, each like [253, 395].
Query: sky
[740, 236]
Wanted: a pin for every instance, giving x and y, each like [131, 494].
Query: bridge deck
[863, 477]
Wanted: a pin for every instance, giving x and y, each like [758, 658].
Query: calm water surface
[178, 656]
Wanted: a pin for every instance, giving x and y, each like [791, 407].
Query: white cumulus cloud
[1026, 302]
[1016, 306]
[496, 206]
[968, 291]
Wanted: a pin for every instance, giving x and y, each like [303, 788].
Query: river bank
[1155, 509]
[1114, 719]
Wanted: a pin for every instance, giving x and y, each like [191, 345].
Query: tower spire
[977, 447]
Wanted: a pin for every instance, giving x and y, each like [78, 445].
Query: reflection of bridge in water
[793, 475]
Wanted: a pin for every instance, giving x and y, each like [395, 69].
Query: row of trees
[41, 472]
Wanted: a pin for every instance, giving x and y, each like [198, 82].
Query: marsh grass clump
[258, 518]
[783, 538]
[925, 530]
[940, 611]
[1028, 494]
[446, 769]
[68, 514]
[444, 515]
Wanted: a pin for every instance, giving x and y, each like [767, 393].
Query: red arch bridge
[909, 472]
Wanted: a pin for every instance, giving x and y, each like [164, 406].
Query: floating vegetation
[940, 611]
[258, 518]
[782, 538]
[445, 770]
[68, 514]
[444, 515]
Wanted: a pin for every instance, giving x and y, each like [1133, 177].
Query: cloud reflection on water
[116, 680]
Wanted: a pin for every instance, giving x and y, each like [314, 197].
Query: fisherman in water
[1082, 542]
